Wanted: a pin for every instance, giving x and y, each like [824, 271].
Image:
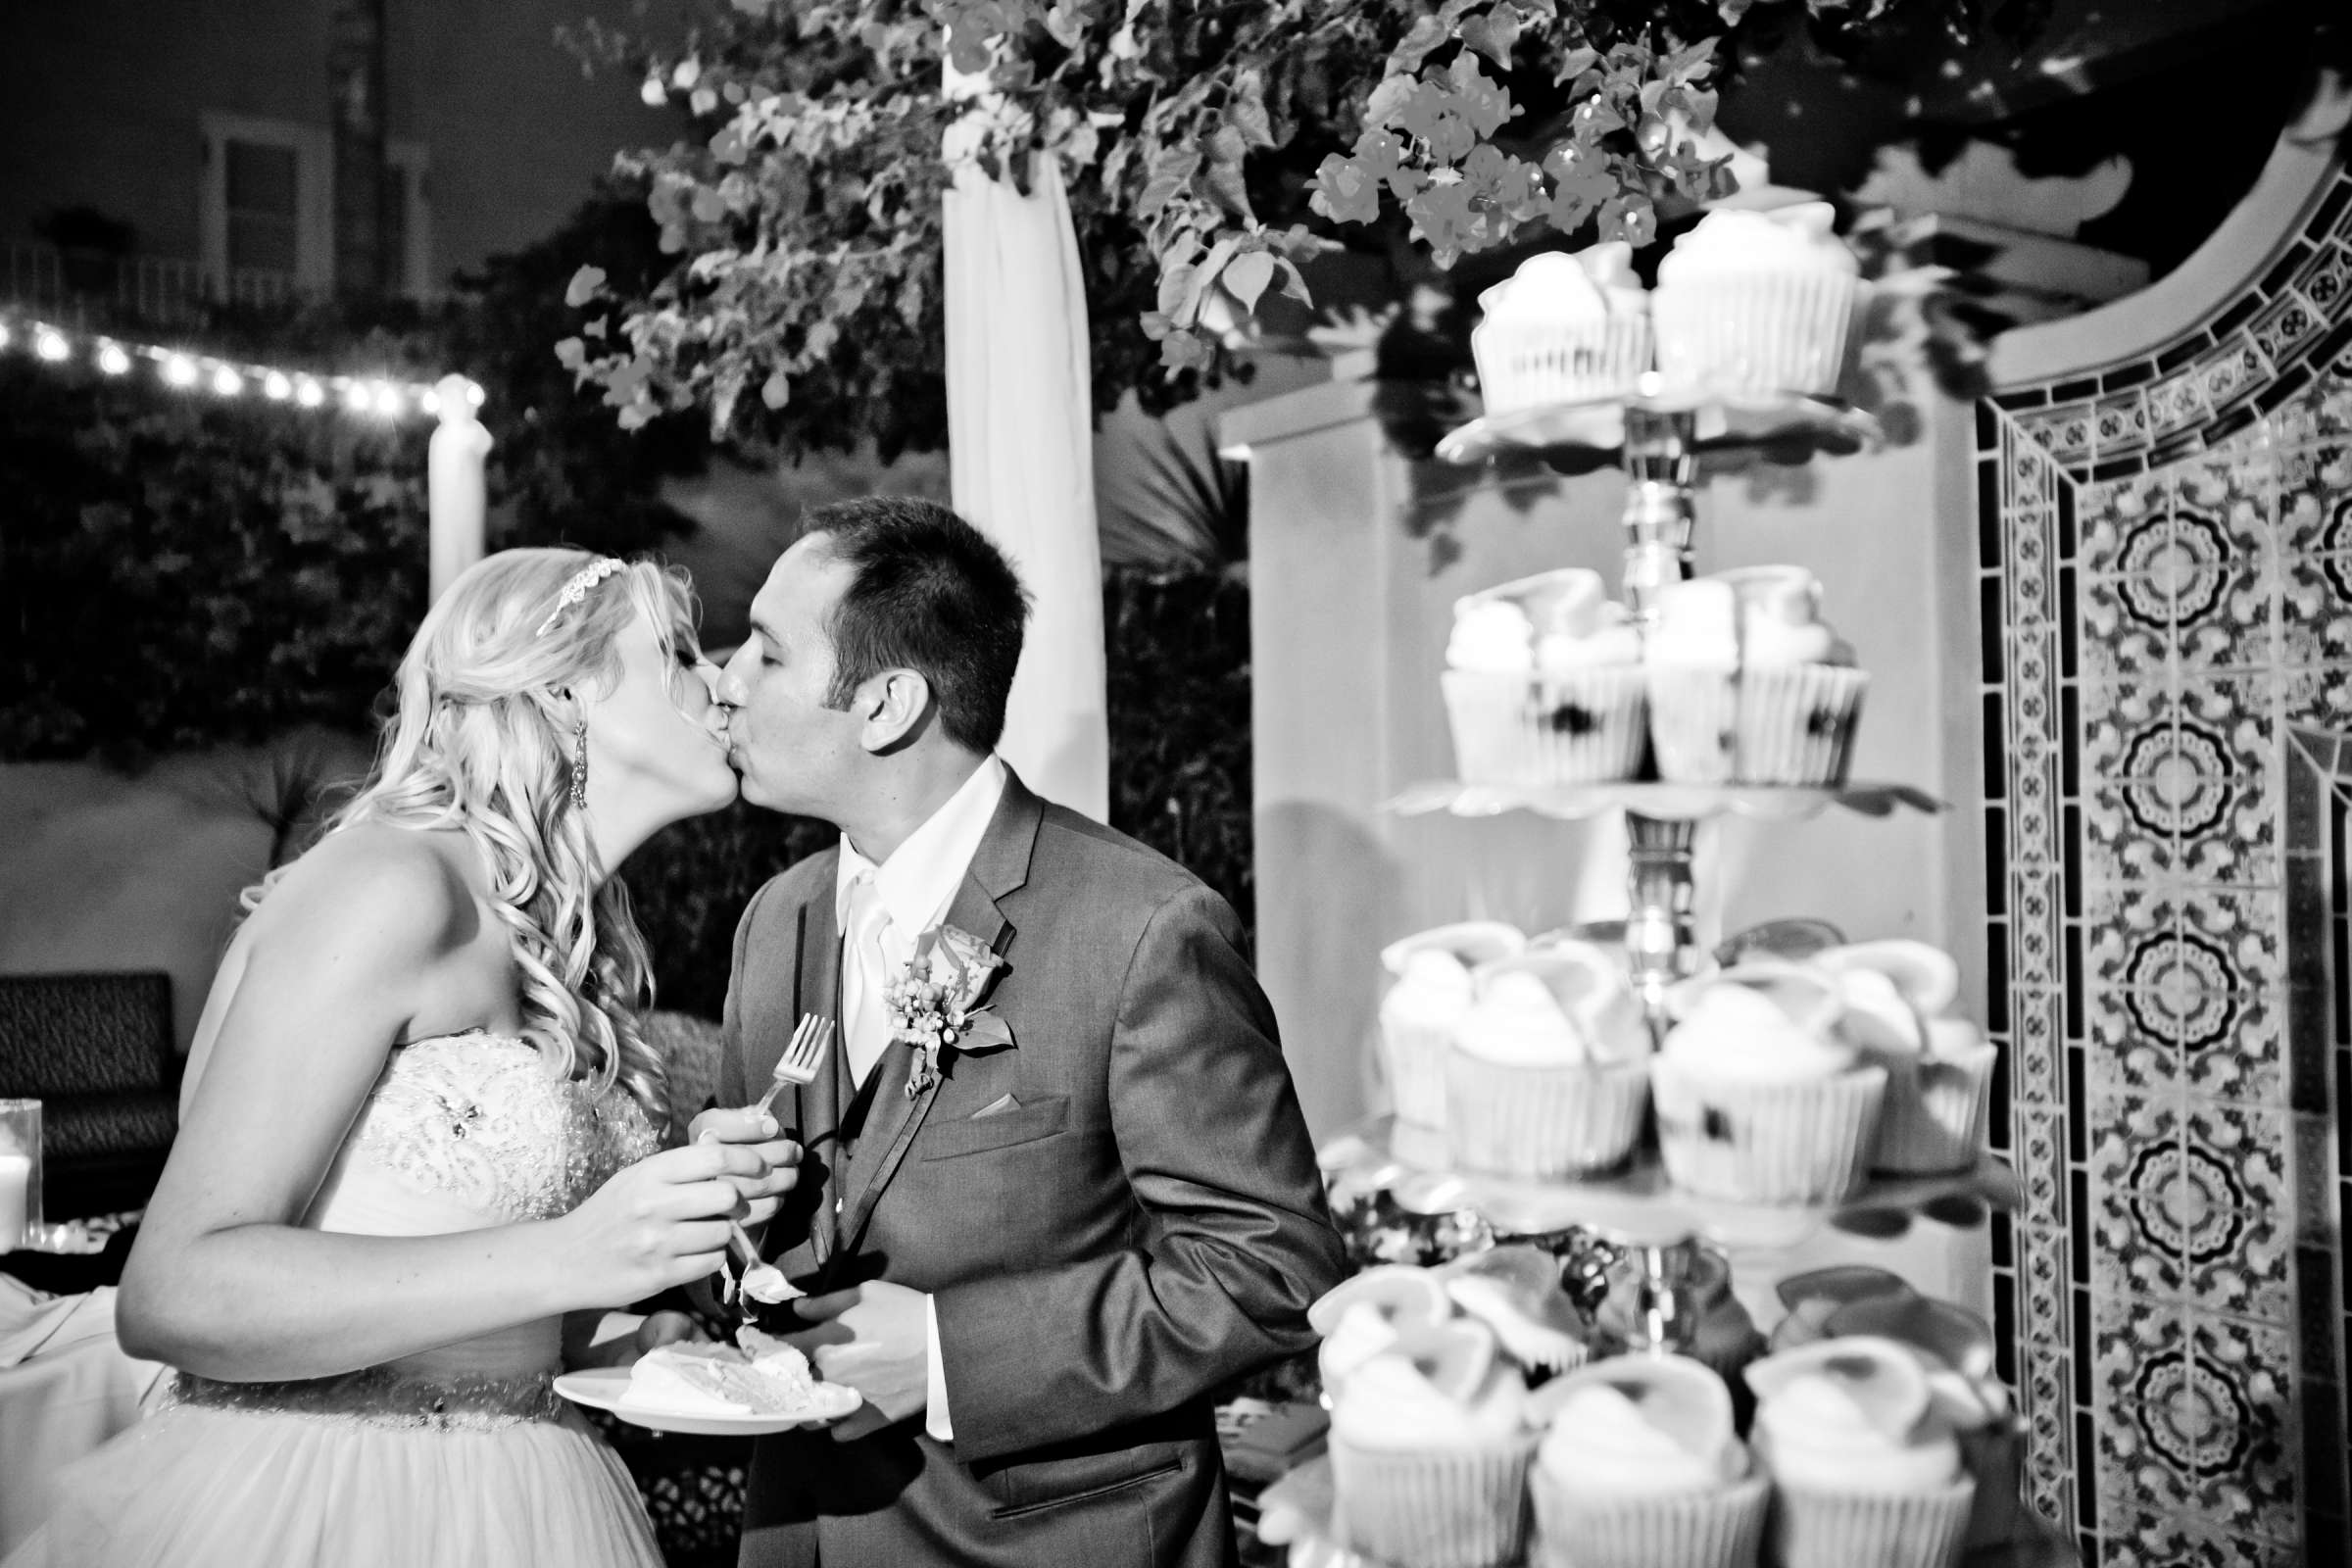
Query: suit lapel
[999, 865]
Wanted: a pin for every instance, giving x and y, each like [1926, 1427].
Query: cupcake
[1366, 1314]
[1757, 303]
[1640, 1469]
[1866, 1471]
[1897, 999]
[1758, 1101]
[1955, 1350]
[1544, 684]
[1431, 994]
[1515, 1291]
[1815, 1296]
[1747, 684]
[1549, 1071]
[1429, 1451]
[1563, 329]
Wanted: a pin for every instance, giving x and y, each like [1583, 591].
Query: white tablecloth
[66, 1386]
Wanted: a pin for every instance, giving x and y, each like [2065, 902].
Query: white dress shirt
[916, 884]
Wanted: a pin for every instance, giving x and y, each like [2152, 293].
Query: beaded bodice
[472, 1130]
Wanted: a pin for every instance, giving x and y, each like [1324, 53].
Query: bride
[418, 1155]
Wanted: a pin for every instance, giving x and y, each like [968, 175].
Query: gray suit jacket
[1146, 1223]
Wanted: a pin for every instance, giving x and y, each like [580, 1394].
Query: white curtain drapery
[1021, 461]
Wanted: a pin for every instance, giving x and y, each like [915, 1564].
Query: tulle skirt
[354, 1477]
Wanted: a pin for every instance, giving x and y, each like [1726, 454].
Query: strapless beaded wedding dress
[460, 1454]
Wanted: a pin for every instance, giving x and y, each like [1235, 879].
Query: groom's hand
[875, 1337]
[758, 1132]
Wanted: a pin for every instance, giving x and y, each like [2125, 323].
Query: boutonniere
[938, 1002]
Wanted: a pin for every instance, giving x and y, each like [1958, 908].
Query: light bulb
[275, 386]
[51, 345]
[228, 382]
[387, 399]
[179, 371]
[309, 393]
[3, 334]
[112, 359]
[355, 397]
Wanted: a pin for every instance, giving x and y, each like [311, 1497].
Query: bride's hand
[658, 1223]
[756, 1131]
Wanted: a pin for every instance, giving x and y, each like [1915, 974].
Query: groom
[1039, 1252]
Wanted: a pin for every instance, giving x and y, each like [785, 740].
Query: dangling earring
[579, 767]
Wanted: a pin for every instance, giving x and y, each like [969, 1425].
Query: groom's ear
[893, 705]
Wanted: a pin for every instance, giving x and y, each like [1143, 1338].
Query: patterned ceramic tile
[2124, 725]
[2241, 923]
[2286, 326]
[2236, 1392]
[2122, 1055]
[2236, 1214]
[2148, 1443]
[2137, 1172]
[2315, 609]
[2250, 1066]
[2308, 473]
[2131, 825]
[2135, 1538]
[2108, 513]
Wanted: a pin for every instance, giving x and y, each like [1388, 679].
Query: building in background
[158, 154]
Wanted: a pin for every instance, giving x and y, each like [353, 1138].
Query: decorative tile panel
[2169, 623]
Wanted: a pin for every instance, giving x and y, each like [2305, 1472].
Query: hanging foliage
[1213, 149]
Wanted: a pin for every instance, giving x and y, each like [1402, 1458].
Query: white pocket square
[996, 1107]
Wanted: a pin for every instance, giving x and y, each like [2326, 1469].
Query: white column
[457, 485]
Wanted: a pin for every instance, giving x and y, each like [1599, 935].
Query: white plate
[603, 1389]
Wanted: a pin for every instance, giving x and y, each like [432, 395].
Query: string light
[378, 397]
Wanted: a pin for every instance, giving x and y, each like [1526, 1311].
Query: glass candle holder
[19, 1172]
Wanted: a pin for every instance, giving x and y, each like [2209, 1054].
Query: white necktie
[866, 1024]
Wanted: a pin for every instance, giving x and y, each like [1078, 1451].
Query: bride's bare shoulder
[405, 887]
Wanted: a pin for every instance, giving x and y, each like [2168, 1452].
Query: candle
[16, 1176]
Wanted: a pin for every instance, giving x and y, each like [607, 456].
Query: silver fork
[798, 1065]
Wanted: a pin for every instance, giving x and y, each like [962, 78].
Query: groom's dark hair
[928, 592]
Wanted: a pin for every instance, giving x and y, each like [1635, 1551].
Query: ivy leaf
[1171, 172]
[1494, 34]
[1245, 111]
[1248, 276]
[571, 354]
[1688, 65]
[1294, 281]
[776, 391]
[1428, 35]
[585, 286]
[1223, 175]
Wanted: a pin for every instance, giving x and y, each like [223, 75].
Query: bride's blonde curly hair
[480, 743]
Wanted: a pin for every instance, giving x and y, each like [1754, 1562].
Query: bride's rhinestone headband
[574, 591]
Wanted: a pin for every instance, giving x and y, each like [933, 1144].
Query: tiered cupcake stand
[1651, 1237]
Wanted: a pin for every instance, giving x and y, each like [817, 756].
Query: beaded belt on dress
[381, 1396]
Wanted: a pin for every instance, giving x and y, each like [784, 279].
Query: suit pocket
[1024, 1124]
[1040, 1484]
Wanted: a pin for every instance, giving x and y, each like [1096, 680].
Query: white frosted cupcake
[1757, 303]
[1758, 1101]
[1431, 994]
[1429, 1453]
[1364, 1316]
[1549, 1073]
[1544, 684]
[1747, 685]
[1563, 329]
[1955, 1348]
[1898, 996]
[1640, 1469]
[1866, 1472]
